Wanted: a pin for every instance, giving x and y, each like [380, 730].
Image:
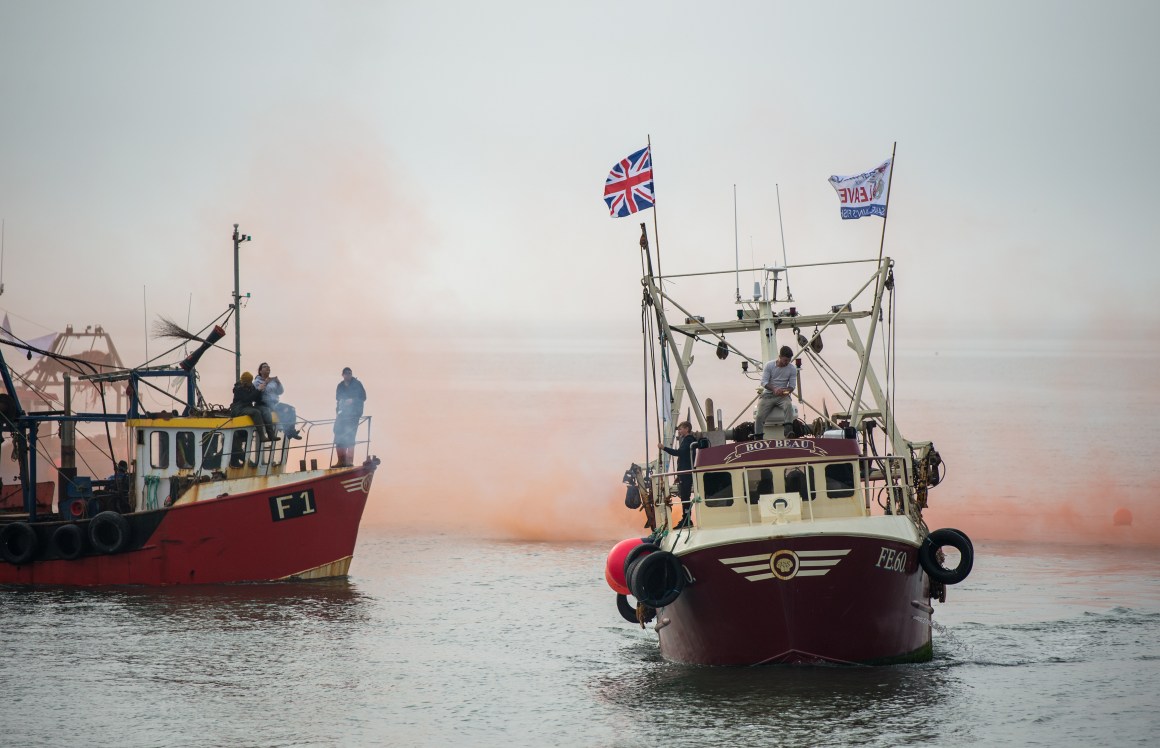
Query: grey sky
[433, 160]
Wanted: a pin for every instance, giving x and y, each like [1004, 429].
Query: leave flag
[864, 194]
[629, 186]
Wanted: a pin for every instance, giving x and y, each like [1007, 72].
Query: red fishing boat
[202, 497]
[806, 544]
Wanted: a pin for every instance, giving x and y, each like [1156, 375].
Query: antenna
[736, 251]
[1, 256]
[752, 272]
[784, 261]
[145, 309]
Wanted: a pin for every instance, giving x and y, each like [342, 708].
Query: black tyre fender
[68, 541]
[928, 556]
[18, 542]
[657, 579]
[109, 532]
[635, 553]
[964, 536]
[628, 612]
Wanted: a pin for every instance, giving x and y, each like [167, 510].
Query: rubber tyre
[18, 543]
[964, 536]
[928, 558]
[657, 579]
[68, 542]
[635, 553]
[109, 532]
[628, 611]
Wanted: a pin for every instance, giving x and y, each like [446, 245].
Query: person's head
[122, 467]
[247, 378]
[784, 355]
[684, 428]
[347, 374]
[263, 369]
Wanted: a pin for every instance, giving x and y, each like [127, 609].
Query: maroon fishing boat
[806, 544]
[200, 496]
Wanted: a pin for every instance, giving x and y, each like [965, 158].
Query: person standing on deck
[778, 381]
[349, 397]
[684, 453]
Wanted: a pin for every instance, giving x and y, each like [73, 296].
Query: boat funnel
[216, 334]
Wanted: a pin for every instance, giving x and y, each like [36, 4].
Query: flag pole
[656, 227]
[889, 185]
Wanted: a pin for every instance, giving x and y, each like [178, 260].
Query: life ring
[657, 579]
[635, 553]
[67, 541]
[928, 556]
[109, 532]
[18, 542]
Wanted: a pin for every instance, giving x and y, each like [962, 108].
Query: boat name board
[292, 505]
[745, 448]
[892, 560]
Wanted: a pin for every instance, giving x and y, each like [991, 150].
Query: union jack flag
[629, 186]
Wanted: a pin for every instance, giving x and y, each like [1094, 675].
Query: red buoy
[614, 564]
[1122, 517]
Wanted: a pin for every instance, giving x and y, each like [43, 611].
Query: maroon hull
[306, 528]
[830, 598]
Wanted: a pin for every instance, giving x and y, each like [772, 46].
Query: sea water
[444, 641]
[472, 636]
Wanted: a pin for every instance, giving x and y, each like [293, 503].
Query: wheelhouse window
[795, 482]
[185, 453]
[159, 449]
[238, 449]
[840, 480]
[211, 450]
[271, 451]
[760, 483]
[718, 489]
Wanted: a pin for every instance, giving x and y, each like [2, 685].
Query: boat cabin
[788, 480]
[172, 454]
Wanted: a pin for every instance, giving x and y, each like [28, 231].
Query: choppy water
[443, 640]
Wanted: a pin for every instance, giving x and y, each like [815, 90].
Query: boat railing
[317, 448]
[787, 490]
[314, 451]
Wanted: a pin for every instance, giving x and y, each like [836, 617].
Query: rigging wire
[644, 345]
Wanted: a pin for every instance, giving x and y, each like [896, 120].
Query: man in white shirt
[778, 381]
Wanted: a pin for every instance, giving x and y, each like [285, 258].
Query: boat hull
[296, 530]
[831, 598]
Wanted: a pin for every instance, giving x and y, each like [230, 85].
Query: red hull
[844, 599]
[247, 537]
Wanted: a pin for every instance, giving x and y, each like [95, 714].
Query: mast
[238, 239]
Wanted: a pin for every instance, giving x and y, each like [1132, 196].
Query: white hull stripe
[746, 559]
[352, 484]
[809, 564]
